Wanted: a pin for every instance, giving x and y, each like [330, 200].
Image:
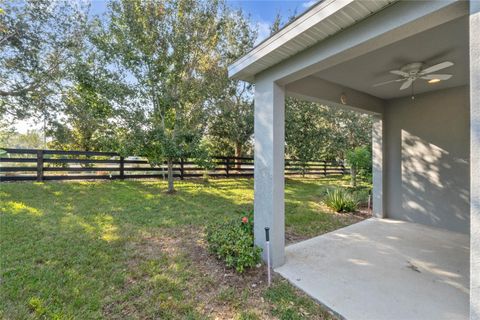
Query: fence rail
[44, 165]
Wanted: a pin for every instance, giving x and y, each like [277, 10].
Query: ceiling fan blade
[437, 67]
[387, 82]
[437, 76]
[406, 84]
[399, 73]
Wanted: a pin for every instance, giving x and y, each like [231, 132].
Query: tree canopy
[230, 121]
[36, 43]
[173, 54]
[150, 78]
[324, 132]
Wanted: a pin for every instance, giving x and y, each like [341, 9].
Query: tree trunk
[353, 173]
[170, 176]
[238, 153]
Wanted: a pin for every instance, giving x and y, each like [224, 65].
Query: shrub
[233, 243]
[340, 200]
[360, 161]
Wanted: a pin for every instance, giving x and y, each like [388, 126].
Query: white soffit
[323, 20]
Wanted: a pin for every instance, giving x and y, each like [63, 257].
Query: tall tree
[36, 38]
[278, 22]
[86, 115]
[231, 113]
[89, 105]
[305, 130]
[232, 120]
[347, 130]
[168, 52]
[318, 131]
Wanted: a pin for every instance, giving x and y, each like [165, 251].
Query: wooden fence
[42, 165]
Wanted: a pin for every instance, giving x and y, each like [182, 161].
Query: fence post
[343, 168]
[122, 167]
[181, 169]
[227, 166]
[39, 165]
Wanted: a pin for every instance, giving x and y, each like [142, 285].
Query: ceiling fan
[414, 71]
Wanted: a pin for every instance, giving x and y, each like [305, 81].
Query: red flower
[244, 220]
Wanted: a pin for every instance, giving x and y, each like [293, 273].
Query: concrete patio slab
[384, 269]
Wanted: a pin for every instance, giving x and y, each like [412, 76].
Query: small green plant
[36, 305]
[360, 161]
[340, 200]
[233, 243]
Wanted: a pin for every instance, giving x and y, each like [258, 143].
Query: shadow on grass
[64, 245]
[68, 249]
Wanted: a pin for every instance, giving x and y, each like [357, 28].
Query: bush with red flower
[232, 242]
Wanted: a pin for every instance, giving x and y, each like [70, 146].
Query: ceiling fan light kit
[414, 71]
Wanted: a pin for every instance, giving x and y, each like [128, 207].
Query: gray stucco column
[269, 205]
[377, 167]
[474, 160]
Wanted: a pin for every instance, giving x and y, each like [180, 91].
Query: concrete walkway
[384, 269]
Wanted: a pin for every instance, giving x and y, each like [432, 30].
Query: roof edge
[302, 23]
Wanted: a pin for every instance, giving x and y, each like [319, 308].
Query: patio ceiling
[447, 42]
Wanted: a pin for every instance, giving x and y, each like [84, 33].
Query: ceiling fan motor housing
[412, 69]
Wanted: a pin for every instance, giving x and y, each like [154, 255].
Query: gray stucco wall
[427, 156]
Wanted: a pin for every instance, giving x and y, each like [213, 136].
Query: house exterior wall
[475, 160]
[427, 156]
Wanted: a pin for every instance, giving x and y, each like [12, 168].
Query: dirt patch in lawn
[219, 292]
[230, 292]
[207, 287]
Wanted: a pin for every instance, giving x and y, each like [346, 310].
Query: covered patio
[375, 270]
[420, 257]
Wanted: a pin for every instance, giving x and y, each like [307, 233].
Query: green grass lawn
[127, 250]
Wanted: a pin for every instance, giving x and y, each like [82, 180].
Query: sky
[262, 14]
